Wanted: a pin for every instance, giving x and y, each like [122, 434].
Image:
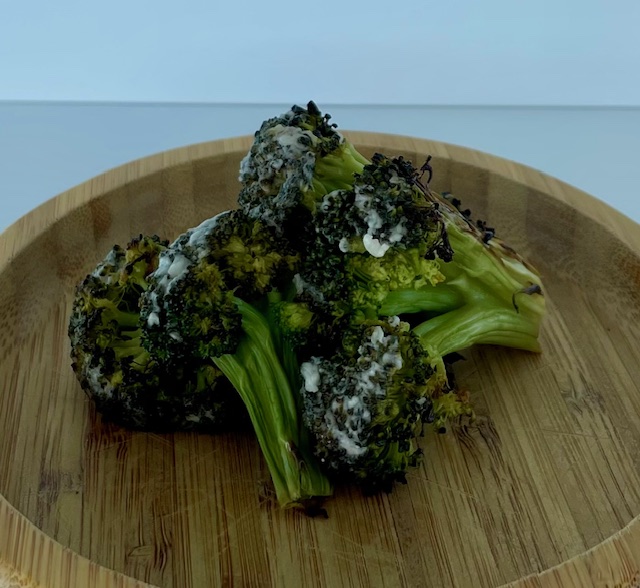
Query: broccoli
[209, 299]
[295, 159]
[376, 242]
[381, 208]
[126, 385]
[366, 404]
[489, 294]
[389, 246]
[291, 325]
[333, 300]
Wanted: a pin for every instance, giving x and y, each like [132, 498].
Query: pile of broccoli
[326, 310]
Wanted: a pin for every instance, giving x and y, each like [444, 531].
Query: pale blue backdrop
[130, 72]
[338, 51]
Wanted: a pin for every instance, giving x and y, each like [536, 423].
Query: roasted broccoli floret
[379, 235]
[367, 404]
[115, 370]
[294, 161]
[487, 293]
[326, 311]
[376, 242]
[422, 256]
[211, 293]
[380, 209]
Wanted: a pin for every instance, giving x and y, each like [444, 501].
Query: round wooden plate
[543, 490]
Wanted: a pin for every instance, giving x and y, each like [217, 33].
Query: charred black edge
[529, 290]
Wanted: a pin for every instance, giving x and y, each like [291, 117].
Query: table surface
[46, 148]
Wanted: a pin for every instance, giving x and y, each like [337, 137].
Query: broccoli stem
[440, 298]
[335, 170]
[487, 324]
[256, 373]
[129, 344]
[112, 313]
[283, 345]
[127, 347]
[487, 297]
[481, 309]
[354, 154]
[479, 268]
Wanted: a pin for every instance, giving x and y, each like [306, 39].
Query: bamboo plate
[543, 491]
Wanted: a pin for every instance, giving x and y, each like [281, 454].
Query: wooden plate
[544, 490]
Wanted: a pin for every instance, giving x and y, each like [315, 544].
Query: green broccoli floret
[376, 243]
[293, 319]
[458, 275]
[188, 304]
[118, 374]
[225, 321]
[376, 236]
[382, 208]
[367, 404]
[488, 293]
[295, 159]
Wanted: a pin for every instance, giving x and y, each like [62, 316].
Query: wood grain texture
[542, 491]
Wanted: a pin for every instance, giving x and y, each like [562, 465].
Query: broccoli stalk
[290, 323]
[488, 296]
[389, 246]
[209, 299]
[254, 370]
[472, 325]
[334, 171]
[411, 301]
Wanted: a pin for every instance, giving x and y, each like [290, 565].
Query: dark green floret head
[127, 386]
[295, 159]
[366, 406]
